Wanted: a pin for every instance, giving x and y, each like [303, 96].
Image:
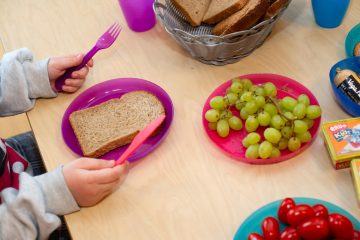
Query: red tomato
[271, 228]
[285, 206]
[299, 214]
[320, 211]
[255, 236]
[314, 229]
[340, 226]
[290, 233]
[356, 235]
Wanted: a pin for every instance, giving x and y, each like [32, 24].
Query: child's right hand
[90, 180]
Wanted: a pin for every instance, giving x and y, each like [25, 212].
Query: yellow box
[355, 172]
[342, 139]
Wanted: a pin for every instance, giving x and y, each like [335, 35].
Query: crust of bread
[215, 18]
[275, 8]
[180, 5]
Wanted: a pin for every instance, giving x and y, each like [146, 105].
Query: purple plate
[114, 89]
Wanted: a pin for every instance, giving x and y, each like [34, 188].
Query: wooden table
[187, 188]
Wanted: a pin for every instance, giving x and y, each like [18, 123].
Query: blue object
[329, 13]
[352, 39]
[253, 222]
[352, 63]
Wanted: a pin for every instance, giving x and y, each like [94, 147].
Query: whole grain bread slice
[275, 8]
[221, 9]
[193, 10]
[244, 19]
[114, 123]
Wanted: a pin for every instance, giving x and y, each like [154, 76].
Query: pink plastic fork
[140, 138]
[105, 41]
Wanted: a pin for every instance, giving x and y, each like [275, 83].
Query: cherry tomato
[255, 236]
[314, 228]
[271, 228]
[285, 206]
[356, 235]
[340, 226]
[290, 233]
[299, 214]
[320, 211]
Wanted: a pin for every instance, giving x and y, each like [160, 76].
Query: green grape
[236, 87]
[294, 144]
[251, 107]
[286, 132]
[246, 97]
[289, 115]
[283, 143]
[264, 119]
[252, 151]
[228, 90]
[235, 123]
[212, 115]
[225, 114]
[313, 112]
[265, 149]
[244, 114]
[270, 108]
[231, 98]
[246, 83]
[245, 142]
[222, 128]
[299, 111]
[300, 126]
[270, 89]
[253, 138]
[309, 122]
[288, 103]
[236, 79]
[218, 103]
[272, 135]
[212, 125]
[260, 91]
[303, 98]
[251, 123]
[260, 101]
[304, 137]
[239, 105]
[275, 153]
[277, 122]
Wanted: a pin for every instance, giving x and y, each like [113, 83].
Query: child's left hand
[57, 67]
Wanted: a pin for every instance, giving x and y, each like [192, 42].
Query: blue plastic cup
[329, 13]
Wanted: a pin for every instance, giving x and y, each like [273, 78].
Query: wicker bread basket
[211, 49]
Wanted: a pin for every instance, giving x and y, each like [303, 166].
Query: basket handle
[159, 8]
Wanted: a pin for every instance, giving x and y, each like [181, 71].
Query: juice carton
[355, 172]
[342, 139]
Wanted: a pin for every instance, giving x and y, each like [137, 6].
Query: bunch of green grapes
[286, 121]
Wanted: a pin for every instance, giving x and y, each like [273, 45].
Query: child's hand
[90, 180]
[57, 67]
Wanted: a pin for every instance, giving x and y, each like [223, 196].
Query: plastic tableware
[232, 145]
[352, 38]
[104, 41]
[140, 138]
[352, 63]
[253, 222]
[114, 89]
[329, 13]
[139, 14]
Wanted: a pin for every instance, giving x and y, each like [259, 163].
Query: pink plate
[232, 145]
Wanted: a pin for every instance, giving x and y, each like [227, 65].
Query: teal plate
[253, 222]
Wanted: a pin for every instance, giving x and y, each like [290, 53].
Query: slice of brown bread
[193, 10]
[243, 19]
[275, 8]
[114, 123]
[221, 9]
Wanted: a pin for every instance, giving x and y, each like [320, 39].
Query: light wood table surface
[186, 188]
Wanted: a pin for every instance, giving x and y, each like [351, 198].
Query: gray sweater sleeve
[22, 81]
[31, 212]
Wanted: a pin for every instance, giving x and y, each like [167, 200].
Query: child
[30, 205]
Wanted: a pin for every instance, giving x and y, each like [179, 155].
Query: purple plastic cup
[139, 14]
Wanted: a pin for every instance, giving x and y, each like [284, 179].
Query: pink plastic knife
[140, 138]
